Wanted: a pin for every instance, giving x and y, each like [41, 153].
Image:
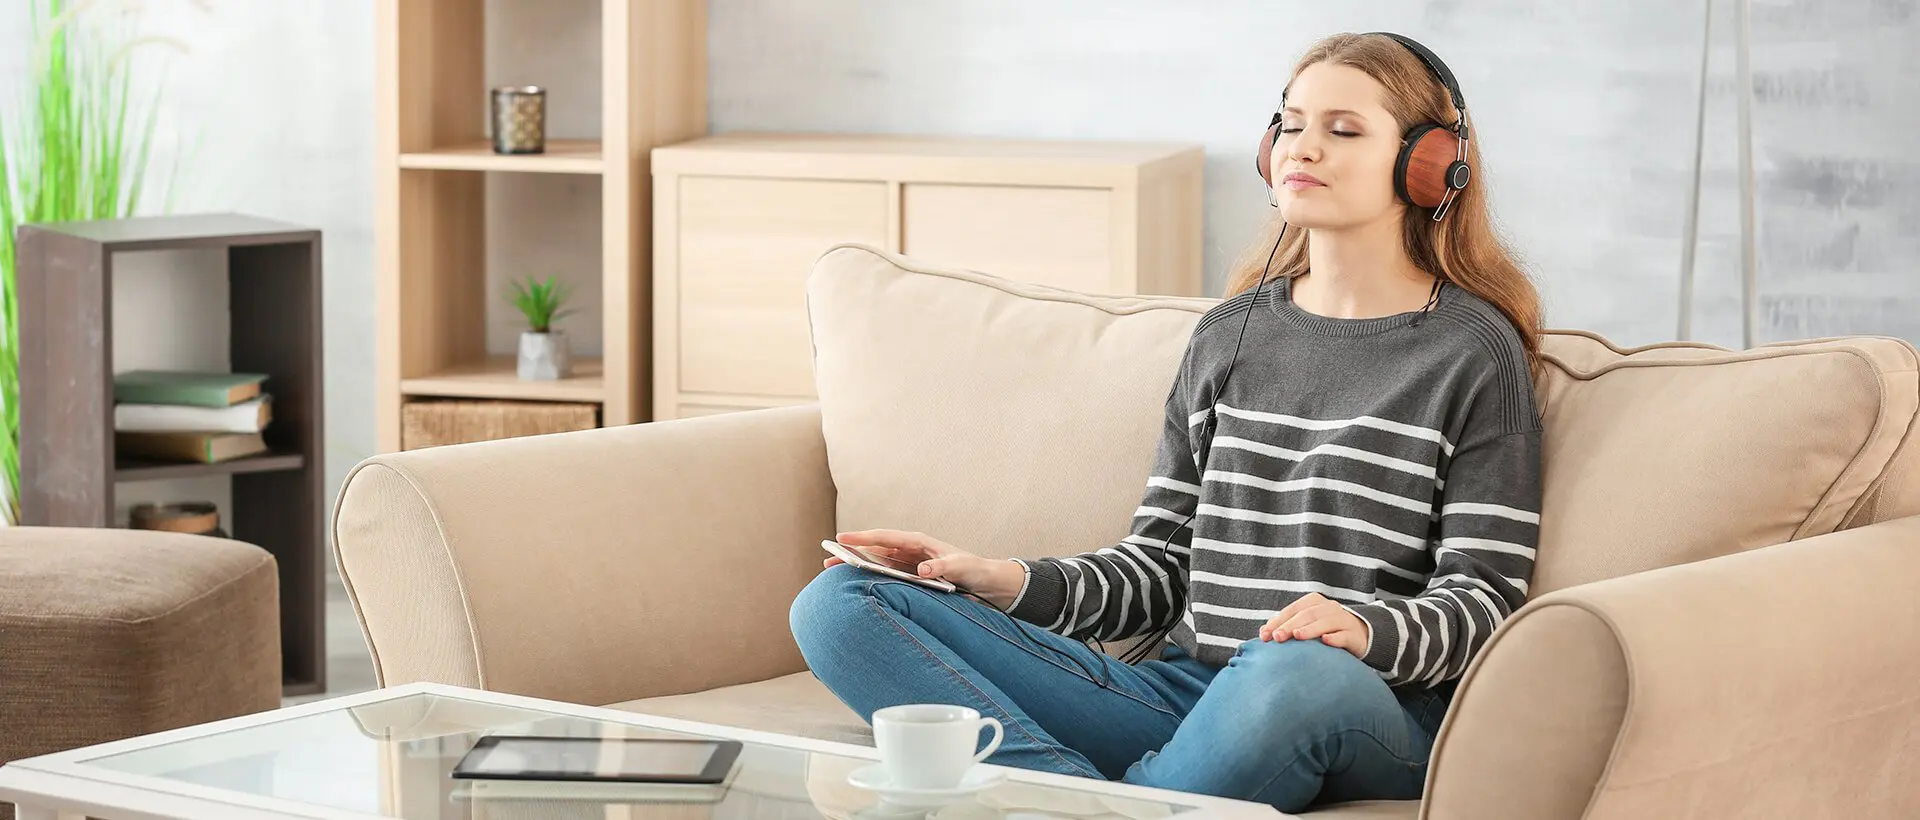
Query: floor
[349, 664]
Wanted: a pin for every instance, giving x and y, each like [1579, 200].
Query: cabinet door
[746, 247]
[1055, 236]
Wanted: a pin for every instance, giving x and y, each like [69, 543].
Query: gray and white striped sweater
[1391, 464]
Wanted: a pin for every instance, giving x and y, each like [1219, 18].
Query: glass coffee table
[388, 754]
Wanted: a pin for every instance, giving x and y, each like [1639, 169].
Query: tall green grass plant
[74, 145]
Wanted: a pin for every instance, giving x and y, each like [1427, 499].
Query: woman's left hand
[1317, 616]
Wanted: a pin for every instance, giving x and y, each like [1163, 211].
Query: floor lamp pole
[1743, 101]
[1749, 299]
[1691, 234]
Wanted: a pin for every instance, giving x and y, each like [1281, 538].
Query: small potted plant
[543, 350]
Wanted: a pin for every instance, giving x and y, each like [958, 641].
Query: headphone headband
[1434, 64]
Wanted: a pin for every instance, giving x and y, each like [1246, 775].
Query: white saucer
[874, 778]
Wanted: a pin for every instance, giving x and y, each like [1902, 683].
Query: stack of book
[173, 415]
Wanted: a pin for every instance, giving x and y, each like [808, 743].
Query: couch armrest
[1778, 682]
[591, 567]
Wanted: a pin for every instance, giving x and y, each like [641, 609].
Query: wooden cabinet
[742, 328]
[740, 218]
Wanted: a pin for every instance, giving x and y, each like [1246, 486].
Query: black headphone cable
[1141, 651]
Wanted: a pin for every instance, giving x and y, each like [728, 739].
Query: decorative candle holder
[519, 119]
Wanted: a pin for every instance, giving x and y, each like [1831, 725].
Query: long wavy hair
[1465, 248]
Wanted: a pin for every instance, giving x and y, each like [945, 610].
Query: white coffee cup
[931, 745]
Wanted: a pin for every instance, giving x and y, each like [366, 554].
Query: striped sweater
[1391, 464]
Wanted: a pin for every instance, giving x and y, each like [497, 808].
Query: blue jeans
[1294, 724]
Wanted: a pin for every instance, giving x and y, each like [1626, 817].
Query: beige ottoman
[109, 633]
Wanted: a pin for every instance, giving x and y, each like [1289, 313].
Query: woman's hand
[996, 580]
[1316, 616]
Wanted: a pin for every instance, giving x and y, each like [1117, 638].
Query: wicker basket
[430, 423]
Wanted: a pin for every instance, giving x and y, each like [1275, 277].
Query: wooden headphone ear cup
[1264, 158]
[1420, 174]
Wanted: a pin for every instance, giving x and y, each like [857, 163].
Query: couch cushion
[1008, 418]
[1677, 452]
[1897, 491]
[796, 704]
[1367, 810]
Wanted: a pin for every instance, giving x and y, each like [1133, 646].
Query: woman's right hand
[997, 580]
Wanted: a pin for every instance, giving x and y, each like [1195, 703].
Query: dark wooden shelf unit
[67, 462]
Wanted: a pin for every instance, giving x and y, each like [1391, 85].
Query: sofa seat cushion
[1367, 810]
[795, 704]
[798, 704]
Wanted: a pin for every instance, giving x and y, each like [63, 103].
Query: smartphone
[903, 570]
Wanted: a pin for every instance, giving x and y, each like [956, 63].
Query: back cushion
[1011, 419]
[1677, 452]
[1015, 419]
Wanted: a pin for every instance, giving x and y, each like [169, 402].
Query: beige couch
[1725, 620]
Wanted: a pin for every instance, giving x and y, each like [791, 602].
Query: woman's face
[1332, 167]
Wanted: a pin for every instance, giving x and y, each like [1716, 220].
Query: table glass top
[393, 758]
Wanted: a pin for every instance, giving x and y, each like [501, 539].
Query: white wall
[1585, 112]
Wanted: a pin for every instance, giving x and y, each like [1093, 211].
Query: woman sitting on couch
[1325, 542]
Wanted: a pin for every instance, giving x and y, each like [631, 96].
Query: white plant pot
[544, 356]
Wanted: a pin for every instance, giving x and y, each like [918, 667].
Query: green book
[186, 387]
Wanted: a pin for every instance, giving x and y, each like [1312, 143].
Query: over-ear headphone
[1432, 166]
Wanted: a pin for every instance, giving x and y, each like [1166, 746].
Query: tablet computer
[599, 759]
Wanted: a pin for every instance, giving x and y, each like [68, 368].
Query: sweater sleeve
[1489, 527]
[1139, 585]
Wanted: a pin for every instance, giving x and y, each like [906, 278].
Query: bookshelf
[431, 224]
[68, 468]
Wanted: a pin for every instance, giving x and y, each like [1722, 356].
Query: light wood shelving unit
[430, 215]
